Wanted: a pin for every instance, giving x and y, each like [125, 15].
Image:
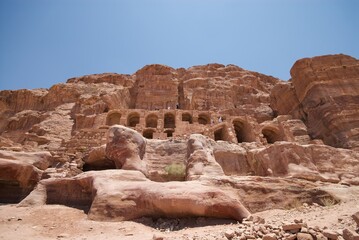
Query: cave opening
[12, 192]
[186, 117]
[243, 133]
[133, 119]
[71, 193]
[151, 121]
[169, 121]
[203, 119]
[113, 118]
[218, 134]
[148, 133]
[270, 135]
[99, 166]
[169, 133]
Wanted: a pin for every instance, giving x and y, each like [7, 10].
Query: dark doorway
[169, 121]
[133, 119]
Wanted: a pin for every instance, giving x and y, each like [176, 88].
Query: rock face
[20, 172]
[213, 141]
[125, 194]
[323, 93]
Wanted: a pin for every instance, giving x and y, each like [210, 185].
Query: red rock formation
[255, 138]
[125, 195]
[126, 148]
[20, 172]
[324, 93]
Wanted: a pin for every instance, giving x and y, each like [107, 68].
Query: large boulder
[118, 195]
[20, 172]
[201, 162]
[126, 148]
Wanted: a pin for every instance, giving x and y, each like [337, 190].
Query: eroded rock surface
[125, 194]
[20, 172]
[126, 148]
[324, 93]
[213, 140]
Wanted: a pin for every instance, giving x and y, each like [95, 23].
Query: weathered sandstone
[125, 194]
[323, 93]
[207, 141]
[126, 148]
[20, 172]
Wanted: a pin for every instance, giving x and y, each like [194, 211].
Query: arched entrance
[113, 118]
[219, 134]
[186, 117]
[148, 133]
[243, 131]
[169, 121]
[151, 121]
[271, 135]
[203, 119]
[133, 119]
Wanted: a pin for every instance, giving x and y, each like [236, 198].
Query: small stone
[298, 220]
[320, 236]
[292, 227]
[269, 236]
[350, 235]
[259, 220]
[255, 228]
[263, 229]
[250, 218]
[63, 235]
[304, 230]
[229, 234]
[242, 237]
[330, 234]
[157, 237]
[291, 237]
[304, 236]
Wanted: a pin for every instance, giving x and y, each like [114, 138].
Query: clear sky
[43, 42]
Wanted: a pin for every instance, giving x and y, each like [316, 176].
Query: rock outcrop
[20, 172]
[201, 161]
[207, 141]
[126, 148]
[124, 195]
[323, 92]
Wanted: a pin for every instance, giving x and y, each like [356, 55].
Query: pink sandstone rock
[20, 172]
[125, 194]
[126, 148]
[324, 93]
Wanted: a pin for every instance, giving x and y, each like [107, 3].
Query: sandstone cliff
[244, 141]
[323, 92]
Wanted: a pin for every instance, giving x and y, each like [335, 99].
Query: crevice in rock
[73, 193]
[12, 192]
[176, 224]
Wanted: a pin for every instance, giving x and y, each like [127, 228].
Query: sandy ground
[61, 222]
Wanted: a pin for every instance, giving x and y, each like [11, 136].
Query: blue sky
[43, 42]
